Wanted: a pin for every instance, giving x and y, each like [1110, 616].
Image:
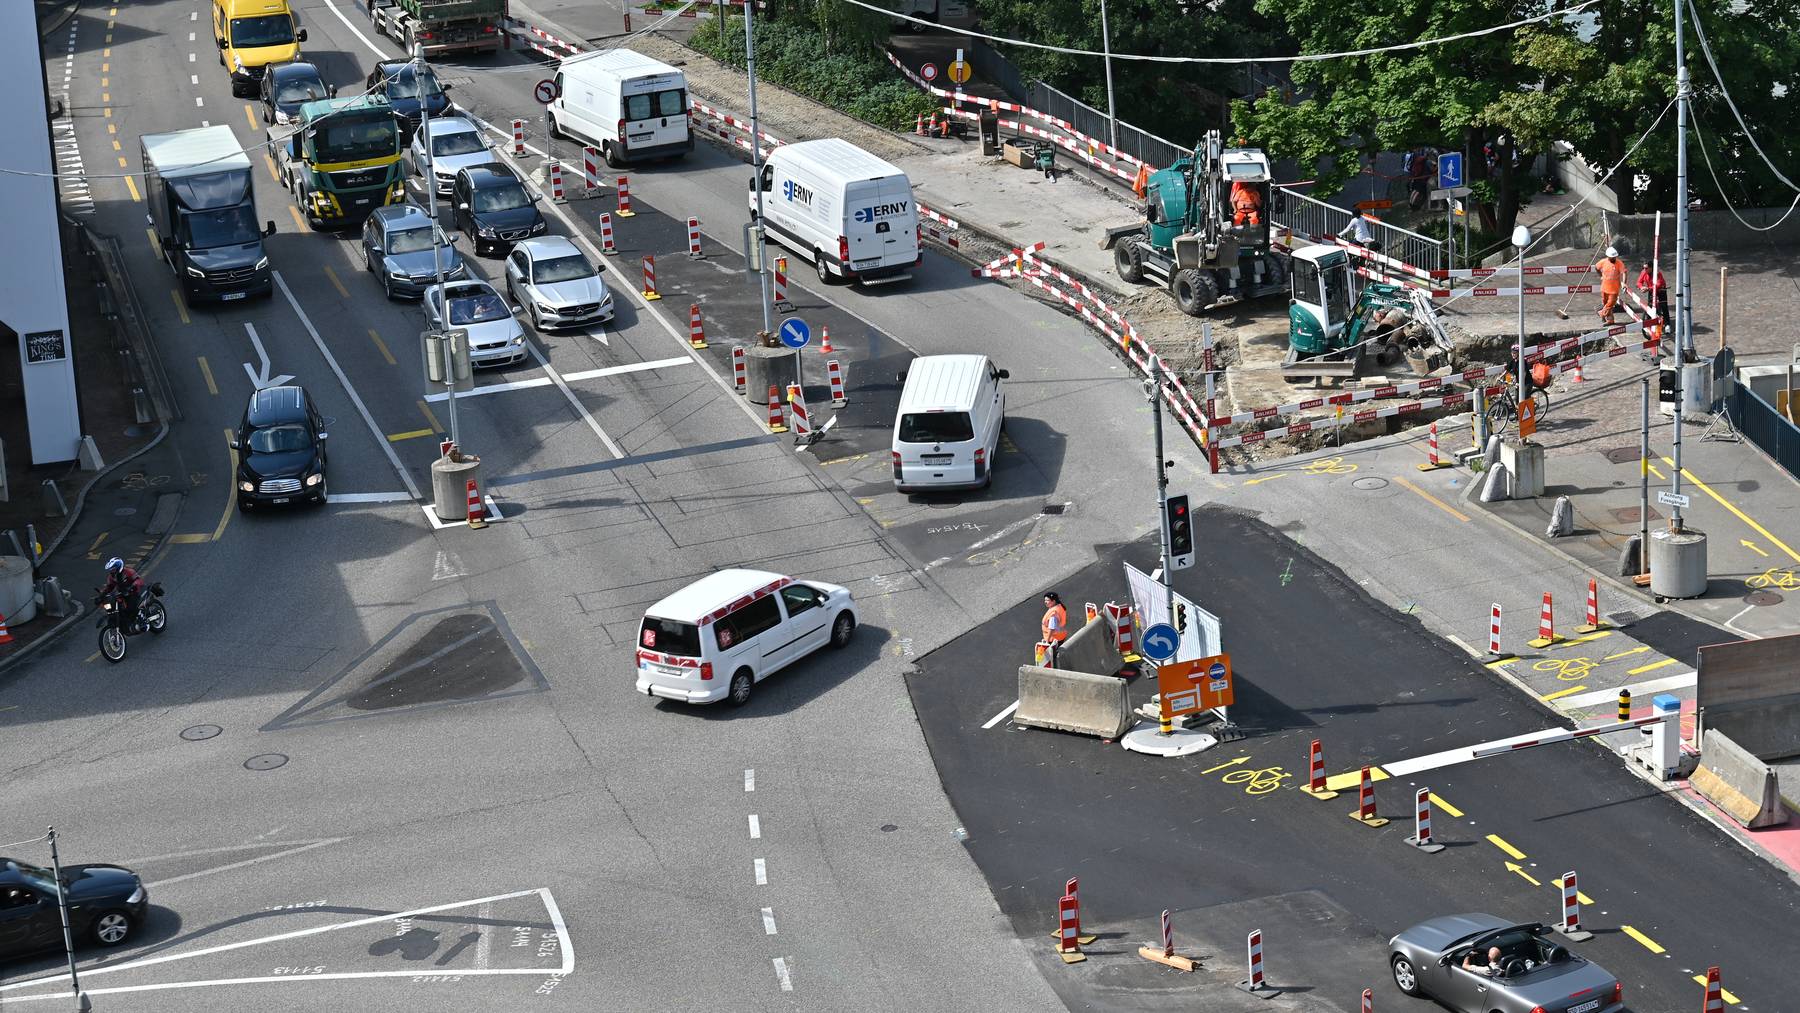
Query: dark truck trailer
[203, 211]
[441, 26]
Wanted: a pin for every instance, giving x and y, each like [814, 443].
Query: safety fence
[1765, 426]
[529, 36]
[1141, 144]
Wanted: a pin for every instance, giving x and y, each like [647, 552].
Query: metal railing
[1141, 144]
[1311, 218]
[1764, 426]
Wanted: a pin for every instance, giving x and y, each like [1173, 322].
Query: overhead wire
[1705, 156]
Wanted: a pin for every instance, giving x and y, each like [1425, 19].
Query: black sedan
[493, 206]
[106, 905]
[281, 447]
[411, 94]
[285, 87]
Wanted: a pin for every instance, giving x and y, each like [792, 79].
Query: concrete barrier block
[1562, 519]
[1496, 485]
[1072, 702]
[1733, 779]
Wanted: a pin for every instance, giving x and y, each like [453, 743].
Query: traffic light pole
[1162, 486]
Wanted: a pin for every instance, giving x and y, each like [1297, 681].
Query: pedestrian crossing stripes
[71, 172]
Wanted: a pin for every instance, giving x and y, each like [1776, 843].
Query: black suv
[288, 86]
[281, 448]
[410, 94]
[493, 206]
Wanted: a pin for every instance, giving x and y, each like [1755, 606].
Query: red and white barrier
[1421, 837]
[1256, 984]
[777, 418]
[1124, 638]
[1715, 992]
[650, 291]
[1365, 803]
[1368, 1000]
[556, 183]
[696, 328]
[1493, 652]
[590, 168]
[1432, 461]
[740, 369]
[1530, 271]
[624, 188]
[803, 429]
[543, 42]
[694, 239]
[781, 297]
[1593, 624]
[835, 374]
[1546, 625]
[1315, 772]
[518, 138]
[476, 518]
[1068, 930]
[606, 236]
[1571, 909]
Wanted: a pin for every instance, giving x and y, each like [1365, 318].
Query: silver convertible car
[1534, 974]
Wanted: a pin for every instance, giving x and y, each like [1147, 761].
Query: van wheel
[556, 133]
[842, 629]
[825, 275]
[613, 161]
[741, 684]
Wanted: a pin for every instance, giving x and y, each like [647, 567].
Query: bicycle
[1503, 408]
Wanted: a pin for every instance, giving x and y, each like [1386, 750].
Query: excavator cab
[1322, 300]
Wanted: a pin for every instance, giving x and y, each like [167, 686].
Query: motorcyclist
[125, 580]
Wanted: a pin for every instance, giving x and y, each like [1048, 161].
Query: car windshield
[266, 30]
[667, 636]
[224, 227]
[563, 269]
[476, 308]
[279, 439]
[299, 89]
[936, 427]
[460, 142]
[409, 84]
[504, 197]
[413, 240]
[343, 137]
[43, 879]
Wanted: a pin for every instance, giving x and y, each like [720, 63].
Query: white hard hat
[1612, 251]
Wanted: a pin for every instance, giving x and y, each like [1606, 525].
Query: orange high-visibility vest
[1056, 624]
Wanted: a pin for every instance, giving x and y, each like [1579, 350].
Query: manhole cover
[198, 732]
[1621, 455]
[1625, 617]
[1369, 483]
[1629, 515]
[888, 828]
[124, 511]
[265, 761]
[1055, 509]
[1762, 598]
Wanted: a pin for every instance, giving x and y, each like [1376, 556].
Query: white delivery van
[850, 214]
[719, 636]
[947, 428]
[629, 106]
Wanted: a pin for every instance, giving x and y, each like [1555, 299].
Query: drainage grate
[1622, 455]
[1625, 617]
[1055, 509]
[1629, 515]
[1762, 598]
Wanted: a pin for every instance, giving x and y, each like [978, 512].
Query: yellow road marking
[1438, 800]
[1547, 697]
[105, 68]
[1739, 514]
[131, 184]
[109, 40]
[426, 409]
[1724, 993]
[251, 116]
[413, 435]
[1621, 654]
[1227, 763]
[112, 128]
[1353, 779]
[1498, 842]
[105, 54]
[335, 283]
[155, 246]
[1267, 478]
[1646, 941]
[1583, 640]
[117, 146]
[180, 307]
[94, 549]
[270, 162]
[1434, 501]
[298, 220]
[1654, 470]
[90, 657]
[103, 82]
[1519, 870]
[230, 488]
[122, 162]
[1582, 897]
[1641, 669]
[105, 96]
[206, 371]
[190, 539]
[382, 347]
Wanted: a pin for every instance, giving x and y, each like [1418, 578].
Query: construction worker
[1055, 625]
[1651, 279]
[1612, 281]
[1246, 204]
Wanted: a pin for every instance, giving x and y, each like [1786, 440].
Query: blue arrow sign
[795, 333]
[1217, 670]
[1160, 642]
[1450, 170]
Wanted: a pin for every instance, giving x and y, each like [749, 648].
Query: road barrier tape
[1530, 270]
[1077, 150]
[987, 270]
[1316, 425]
[529, 33]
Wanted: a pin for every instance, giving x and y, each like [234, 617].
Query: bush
[794, 56]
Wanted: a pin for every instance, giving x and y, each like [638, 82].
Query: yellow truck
[251, 34]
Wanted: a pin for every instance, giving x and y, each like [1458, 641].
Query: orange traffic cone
[826, 346]
[1575, 376]
[5, 636]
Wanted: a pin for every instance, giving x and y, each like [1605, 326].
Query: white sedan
[455, 144]
[495, 337]
[555, 284]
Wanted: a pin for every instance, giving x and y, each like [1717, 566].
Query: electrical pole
[1162, 487]
[62, 904]
[1684, 320]
[1112, 119]
[756, 167]
[437, 248]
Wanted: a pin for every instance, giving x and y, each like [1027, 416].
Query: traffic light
[1180, 617]
[1179, 527]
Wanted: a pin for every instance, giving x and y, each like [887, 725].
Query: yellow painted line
[1724, 993]
[1353, 779]
[1497, 842]
[250, 115]
[230, 489]
[1654, 470]
[109, 42]
[426, 409]
[1646, 941]
[107, 113]
[98, 539]
[1267, 478]
[335, 283]
[1653, 666]
[155, 247]
[105, 96]
[1438, 801]
[1559, 694]
[180, 307]
[1621, 654]
[131, 184]
[298, 220]
[1582, 897]
[1583, 640]
[105, 68]
[1739, 514]
[1434, 501]
[189, 539]
[381, 345]
[110, 23]
[103, 82]
[122, 163]
[206, 371]
[112, 128]
[90, 657]
[415, 434]
[117, 146]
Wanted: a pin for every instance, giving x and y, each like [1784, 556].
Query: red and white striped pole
[1493, 652]
[518, 138]
[624, 186]
[1432, 461]
[606, 236]
[694, 238]
[777, 418]
[650, 291]
[836, 374]
[1571, 909]
[1365, 807]
[1255, 984]
[781, 298]
[590, 167]
[803, 430]
[1068, 931]
[696, 328]
[1168, 935]
[1315, 779]
[1593, 624]
[740, 369]
[556, 183]
[1715, 992]
[1421, 837]
[1546, 625]
[1368, 1003]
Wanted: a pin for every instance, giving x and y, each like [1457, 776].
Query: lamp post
[1112, 121]
[437, 248]
[756, 166]
[1521, 238]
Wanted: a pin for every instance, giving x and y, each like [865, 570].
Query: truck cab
[251, 34]
[343, 159]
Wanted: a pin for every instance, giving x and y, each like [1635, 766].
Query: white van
[850, 214]
[947, 428]
[722, 634]
[629, 106]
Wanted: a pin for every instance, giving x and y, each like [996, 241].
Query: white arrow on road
[259, 380]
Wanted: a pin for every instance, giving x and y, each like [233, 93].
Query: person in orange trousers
[1612, 281]
[1246, 204]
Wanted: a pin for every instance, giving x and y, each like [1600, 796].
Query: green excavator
[1337, 329]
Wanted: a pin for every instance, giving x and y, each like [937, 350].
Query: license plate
[863, 264]
[279, 499]
[227, 297]
[360, 201]
[1591, 1004]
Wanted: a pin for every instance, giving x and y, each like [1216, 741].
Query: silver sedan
[1477, 963]
[495, 337]
[555, 284]
[456, 144]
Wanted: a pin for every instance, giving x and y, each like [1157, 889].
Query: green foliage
[849, 74]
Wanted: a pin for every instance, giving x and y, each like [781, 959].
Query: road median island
[1732, 778]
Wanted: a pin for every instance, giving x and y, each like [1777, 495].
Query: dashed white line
[781, 975]
[1002, 716]
[367, 497]
[768, 914]
[198, 101]
[193, 79]
[755, 828]
[749, 779]
[190, 58]
[581, 409]
[190, 36]
[762, 873]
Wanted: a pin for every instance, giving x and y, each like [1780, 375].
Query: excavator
[1336, 329]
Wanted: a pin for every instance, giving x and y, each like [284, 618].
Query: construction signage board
[1374, 205]
[1190, 686]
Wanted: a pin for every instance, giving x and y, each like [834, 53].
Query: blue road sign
[795, 333]
[1217, 671]
[1450, 170]
[1160, 642]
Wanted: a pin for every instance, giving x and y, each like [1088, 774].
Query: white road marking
[1002, 716]
[562, 931]
[368, 419]
[762, 873]
[635, 367]
[483, 948]
[373, 48]
[190, 36]
[1639, 690]
[749, 779]
[574, 401]
[755, 827]
[782, 976]
[493, 388]
[193, 15]
[198, 101]
[258, 860]
[599, 334]
[190, 58]
[768, 914]
[367, 497]
[546, 381]
[493, 516]
[193, 79]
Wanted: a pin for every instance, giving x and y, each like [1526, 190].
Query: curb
[61, 19]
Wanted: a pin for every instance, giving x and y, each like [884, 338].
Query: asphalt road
[1225, 841]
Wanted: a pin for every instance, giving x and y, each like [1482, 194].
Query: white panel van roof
[705, 599]
[942, 383]
[621, 62]
[837, 160]
[195, 152]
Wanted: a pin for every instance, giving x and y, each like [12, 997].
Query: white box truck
[850, 214]
[629, 106]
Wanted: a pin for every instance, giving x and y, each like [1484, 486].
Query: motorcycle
[151, 618]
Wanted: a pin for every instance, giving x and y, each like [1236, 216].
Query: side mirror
[454, 238]
[464, 206]
[900, 377]
[331, 90]
[300, 36]
[1004, 375]
[221, 43]
[446, 87]
[234, 443]
[269, 227]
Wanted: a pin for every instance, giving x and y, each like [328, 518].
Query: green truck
[442, 26]
[342, 159]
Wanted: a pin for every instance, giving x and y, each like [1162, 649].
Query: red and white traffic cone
[1574, 375]
[1546, 626]
[1365, 808]
[777, 420]
[1093, 611]
[694, 239]
[740, 369]
[825, 340]
[1255, 984]
[836, 374]
[919, 127]
[1421, 837]
[803, 430]
[1570, 925]
[650, 292]
[556, 183]
[1593, 624]
[624, 186]
[518, 138]
[781, 297]
[1315, 777]
[1715, 992]
[1368, 1000]
[590, 168]
[1494, 653]
[606, 236]
[1432, 461]
[476, 518]
[6, 636]
[696, 328]
[931, 126]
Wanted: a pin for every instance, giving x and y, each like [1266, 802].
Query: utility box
[1525, 464]
[990, 133]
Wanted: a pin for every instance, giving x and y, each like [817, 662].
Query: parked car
[281, 449]
[555, 285]
[106, 906]
[285, 87]
[456, 144]
[412, 94]
[398, 248]
[495, 337]
[1535, 974]
[493, 205]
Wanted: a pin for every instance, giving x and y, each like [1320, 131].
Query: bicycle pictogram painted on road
[1775, 577]
[1329, 466]
[1567, 669]
[1257, 782]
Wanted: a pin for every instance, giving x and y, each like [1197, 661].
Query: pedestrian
[1359, 232]
[1418, 183]
[1055, 624]
[1651, 279]
[1246, 204]
[1612, 281]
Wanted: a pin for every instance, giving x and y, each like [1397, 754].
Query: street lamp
[1112, 120]
[1521, 238]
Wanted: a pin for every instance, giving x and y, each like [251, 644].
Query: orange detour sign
[1189, 686]
[1527, 419]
